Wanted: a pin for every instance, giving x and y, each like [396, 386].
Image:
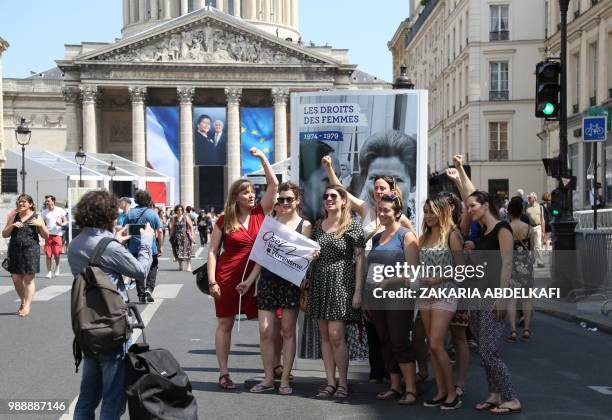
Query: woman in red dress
[238, 227]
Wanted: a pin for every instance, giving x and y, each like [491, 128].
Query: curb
[575, 318]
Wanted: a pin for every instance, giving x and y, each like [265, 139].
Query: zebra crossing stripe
[6, 289]
[50, 292]
[167, 291]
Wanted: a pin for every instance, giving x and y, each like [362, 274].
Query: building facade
[477, 58]
[589, 90]
[185, 54]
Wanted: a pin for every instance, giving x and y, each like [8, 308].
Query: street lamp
[402, 81]
[23, 134]
[112, 170]
[80, 157]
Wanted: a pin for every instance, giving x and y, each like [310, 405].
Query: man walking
[124, 205]
[142, 214]
[55, 218]
[535, 212]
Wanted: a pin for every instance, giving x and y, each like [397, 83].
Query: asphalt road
[564, 372]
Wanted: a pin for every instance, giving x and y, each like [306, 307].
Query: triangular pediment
[206, 37]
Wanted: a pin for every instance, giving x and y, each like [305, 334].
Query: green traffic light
[549, 109]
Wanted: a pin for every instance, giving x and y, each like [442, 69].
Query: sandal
[512, 337]
[285, 390]
[420, 378]
[325, 392]
[341, 392]
[526, 335]
[502, 411]
[260, 387]
[486, 406]
[279, 374]
[408, 401]
[226, 383]
[459, 390]
[389, 394]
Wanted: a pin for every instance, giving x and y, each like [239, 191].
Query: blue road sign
[594, 128]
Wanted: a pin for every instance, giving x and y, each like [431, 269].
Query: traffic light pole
[563, 227]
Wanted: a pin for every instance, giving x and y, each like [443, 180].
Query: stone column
[280, 96]
[184, 7]
[186, 164]
[142, 11]
[285, 4]
[585, 89]
[237, 11]
[295, 14]
[602, 63]
[266, 11]
[71, 97]
[138, 95]
[99, 105]
[89, 94]
[198, 4]
[277, 11]
[154, 9]
[233, 139]
[126, 12]
[166, 10]
[133, 10]
[251, 9]
[3, 46]
[221, 5]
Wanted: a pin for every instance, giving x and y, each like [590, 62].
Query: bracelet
[214, 283]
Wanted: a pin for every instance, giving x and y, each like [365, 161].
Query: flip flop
[285, 390]
[406, 401]
[486, 406]
[226, 383]
[526, 335]
[260, 387]
[389, 394]
[512, 337]
[507, 410]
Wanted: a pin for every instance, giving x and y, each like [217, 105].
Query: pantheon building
[186, 54]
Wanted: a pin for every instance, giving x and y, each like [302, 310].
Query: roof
[361, 77]
[54, 73]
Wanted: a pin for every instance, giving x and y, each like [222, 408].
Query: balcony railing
[498, 155]
[575, 108]
[499, 95]
[499, 35]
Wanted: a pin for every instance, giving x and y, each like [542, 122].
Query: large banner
[283, 251]
[210, 136]
[367, 133]
[163, 143]
[257, 130]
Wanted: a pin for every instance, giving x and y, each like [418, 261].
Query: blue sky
[38, 29]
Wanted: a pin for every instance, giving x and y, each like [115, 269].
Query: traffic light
[548, 89]
[556, 202]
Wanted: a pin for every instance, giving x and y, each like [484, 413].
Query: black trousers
[375, 357]
[394, 328]
[149, 283]
[203, 236]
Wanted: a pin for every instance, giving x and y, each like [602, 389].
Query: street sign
[594, 128]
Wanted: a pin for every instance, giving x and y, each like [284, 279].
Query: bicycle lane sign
[594, 128]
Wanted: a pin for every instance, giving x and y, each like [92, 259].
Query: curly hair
[97, 209]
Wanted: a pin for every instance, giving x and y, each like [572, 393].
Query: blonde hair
[442, 209]
[230, 210]
[345, 215]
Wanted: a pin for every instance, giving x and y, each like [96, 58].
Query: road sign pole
[595, 146]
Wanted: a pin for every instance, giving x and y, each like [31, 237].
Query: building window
[499, 190]
[499, 81]
[577, 82]
[594, 71]
[498, 141]
[499, 30]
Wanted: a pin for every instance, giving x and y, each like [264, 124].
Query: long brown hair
[345, 215]
[442, 209]
[230, 210]
[28, 199]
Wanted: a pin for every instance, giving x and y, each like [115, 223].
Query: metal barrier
[585, 219]
[594, 248]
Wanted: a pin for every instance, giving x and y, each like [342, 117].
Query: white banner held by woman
[283, 251]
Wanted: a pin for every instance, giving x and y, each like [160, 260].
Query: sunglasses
[285, 200]
[332, 196]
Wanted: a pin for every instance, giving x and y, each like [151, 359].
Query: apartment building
[477, 59]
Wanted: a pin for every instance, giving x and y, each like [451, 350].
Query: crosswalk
[162, 291]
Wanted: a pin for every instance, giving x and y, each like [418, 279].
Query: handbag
[201, 272]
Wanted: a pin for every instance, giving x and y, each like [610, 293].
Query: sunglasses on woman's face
[330, 196]
[285, 200]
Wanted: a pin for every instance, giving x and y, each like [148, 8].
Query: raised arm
[215, 244]
[466, 183]
[267, 201]
[358, 205]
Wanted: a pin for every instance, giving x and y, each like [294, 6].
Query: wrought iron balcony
[499, 95]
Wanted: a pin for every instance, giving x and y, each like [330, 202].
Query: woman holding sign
[237, 229]
[336, 285]
[274, 292]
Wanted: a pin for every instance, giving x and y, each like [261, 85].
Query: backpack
[99, 314]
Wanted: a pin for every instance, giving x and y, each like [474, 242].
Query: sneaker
[149, 297]
[452, 405]
[142, 299]
[434, 403]
[131, 285]
[57, 272]
[49, 274]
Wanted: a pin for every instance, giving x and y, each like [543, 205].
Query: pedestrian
[103, 377]
[55, 218]
[396, 244]
[125, 203]
[24, 250]
[548, 219]
[487, 323]
[440, 245]
[164, 223]
[522, 269]
[140, 215]
[336, 285]
[274, 292]
[190, 212]
[181, 236]
[202, 223]
[236, 230]
[596, 196]
[535, 212]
